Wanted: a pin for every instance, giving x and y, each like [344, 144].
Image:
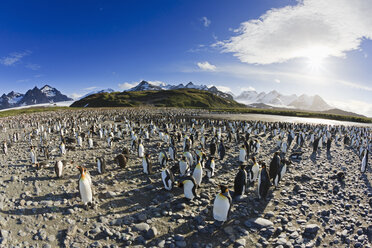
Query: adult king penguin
[263, 182]
[222, 204]
[146, 164]
[240, 182]
[167, 178]
[85, 186]
[189, 187]
[101, 165]
[363, 167]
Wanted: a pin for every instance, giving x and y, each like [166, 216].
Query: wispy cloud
[22, 80]
[249, 88]
[277, 81]
[206, 66]
[13, 58]
[352, 105]
[126, 85]
[33, 67]
[206, 21]
[310, 28]
[75, 96]
[90, 88]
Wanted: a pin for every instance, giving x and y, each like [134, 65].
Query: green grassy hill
[183, 98]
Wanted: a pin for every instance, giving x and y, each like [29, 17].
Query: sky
[295, 47]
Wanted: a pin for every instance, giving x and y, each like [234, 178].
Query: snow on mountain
[108, 90]
[144, 85]
[274, 98]
[46, 94]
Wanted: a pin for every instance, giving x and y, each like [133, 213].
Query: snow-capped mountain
[315, 103]
[46, 94]
[144, 85]
[108, 90]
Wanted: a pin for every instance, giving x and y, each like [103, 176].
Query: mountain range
[274, 98]
[46, 94]
[144, 85]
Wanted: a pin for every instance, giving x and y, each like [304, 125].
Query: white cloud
[91, 88]
[23, 80]
[206, 66]
[13, 58]
[156, 83]
[249, 88]
[33, 67]
[310, 28]
[206, 21]
[126, 86]
[277, 81]
[75, 96]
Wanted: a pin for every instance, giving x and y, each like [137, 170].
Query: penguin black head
[254, 159]
[242, 166]
[223, 188]
[263, 165]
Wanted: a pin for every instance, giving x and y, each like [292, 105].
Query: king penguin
[58, 168]
[363, 167]
[198, 173]
[263, 182]
[85, 186]
[222, 204]
[146, 164]
[242, 154]
[240, 182]
[189, 187]
[210, 167]
[101, 165]
[221, 150]
[121, 160]
[184, 166]
[141, 150]
[167, 178]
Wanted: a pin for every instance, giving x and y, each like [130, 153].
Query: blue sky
[294, 47]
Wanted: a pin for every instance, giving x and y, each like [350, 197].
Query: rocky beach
[311, 207]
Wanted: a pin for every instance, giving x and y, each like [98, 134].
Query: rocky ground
[309, 208]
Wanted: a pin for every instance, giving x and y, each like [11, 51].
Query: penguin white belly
[283, 171]
[140, 151]
[198, 173]
[364, 163]
[99, 166]
[221, 208]
[167, 183]
[59, 169]
[259, 186]
[171, 155]
[255, 171]
[183, 168]
[144, 165]
[242, 155]
[187, 190]
[85, 191]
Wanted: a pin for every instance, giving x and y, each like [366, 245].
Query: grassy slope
[182, 98]
[30, 110]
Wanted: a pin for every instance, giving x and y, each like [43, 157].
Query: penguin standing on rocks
[121, 160]
[141, 150]
[240, 182]
[146, 164]
[58, 168]
[242, 154]
[213, 147]
[101, 165]
[184, 166]
[62, 148]
[172, 153]
[263, 182]
[254, 171]
[221, 150]
[363, 167]
[163, 159]
[167, 178]
[85, 187]
[222, 204]
[198, 173]
[274, 166]
[5, 148]
[210, 166]
[33, 155]
[315, 145]
[329, 143]
[282, 170]
[189, 187]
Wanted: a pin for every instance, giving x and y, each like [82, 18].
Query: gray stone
[142, 227]
[240, 242]
[258, 223]
[312, 228]
[181, 244]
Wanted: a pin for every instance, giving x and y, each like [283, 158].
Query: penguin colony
[180, 156]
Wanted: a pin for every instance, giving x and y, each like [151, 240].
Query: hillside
[184, 98]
